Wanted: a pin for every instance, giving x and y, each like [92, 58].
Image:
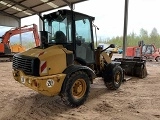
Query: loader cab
[74, 31]
[148, 49]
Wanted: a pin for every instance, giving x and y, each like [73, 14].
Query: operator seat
[60, 37]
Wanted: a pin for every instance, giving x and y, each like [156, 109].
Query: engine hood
[52, 59]
[38, 52]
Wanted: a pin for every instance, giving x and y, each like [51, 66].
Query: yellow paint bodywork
[106, 57]
[55, 58]
[41, 82]
[17, 48]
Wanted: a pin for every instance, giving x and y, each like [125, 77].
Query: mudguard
[73, 68]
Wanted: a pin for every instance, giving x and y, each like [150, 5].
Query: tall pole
[20, 35]
[125, 27]
[40, 23]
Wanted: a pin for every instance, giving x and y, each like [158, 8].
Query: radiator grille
[23, 64]
[29, 65]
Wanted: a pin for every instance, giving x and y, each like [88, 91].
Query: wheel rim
[117, 78]
[79, 88]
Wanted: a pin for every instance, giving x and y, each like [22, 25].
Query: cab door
[85, 50]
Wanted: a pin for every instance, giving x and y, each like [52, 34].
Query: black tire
[77, 89]
[157, 59]
[113, 76]
[143, 72]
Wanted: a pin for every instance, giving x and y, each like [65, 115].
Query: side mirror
[112, 46]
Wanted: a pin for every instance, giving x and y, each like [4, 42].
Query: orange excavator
[6, 50]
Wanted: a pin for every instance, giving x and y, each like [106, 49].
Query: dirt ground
[136, 99]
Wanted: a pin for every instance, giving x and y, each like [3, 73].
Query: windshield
[58, 27]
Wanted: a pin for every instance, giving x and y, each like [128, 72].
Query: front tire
[143, 72]
[113, 76]
[76, 89]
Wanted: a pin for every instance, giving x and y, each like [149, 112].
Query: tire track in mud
[136, 99]
[34, 107]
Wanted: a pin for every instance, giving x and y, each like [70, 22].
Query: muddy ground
[136, 99]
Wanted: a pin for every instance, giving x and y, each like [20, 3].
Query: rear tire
[76, 89]
[113, 76]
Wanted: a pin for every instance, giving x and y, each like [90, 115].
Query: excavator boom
[20, 30]
[7, 50]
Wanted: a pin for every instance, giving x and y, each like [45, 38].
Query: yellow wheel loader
[66, 62]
